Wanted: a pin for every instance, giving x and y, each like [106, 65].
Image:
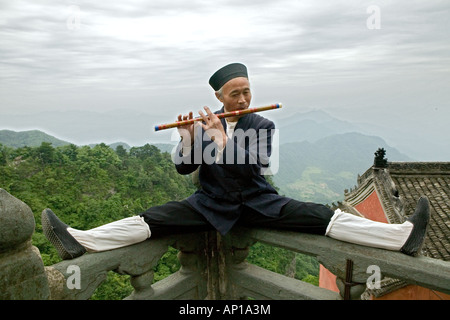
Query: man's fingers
[186, 116]
[204, 117]
[211, 116]
[208, 111]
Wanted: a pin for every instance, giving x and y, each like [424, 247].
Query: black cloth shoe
[420, 219]
[56, 232]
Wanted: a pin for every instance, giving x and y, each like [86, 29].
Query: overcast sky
[359, 60]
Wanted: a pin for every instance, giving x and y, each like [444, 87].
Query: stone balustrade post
[22, 273]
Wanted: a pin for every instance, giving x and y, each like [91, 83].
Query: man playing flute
[233, 189]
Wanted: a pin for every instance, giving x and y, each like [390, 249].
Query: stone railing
[212, 266]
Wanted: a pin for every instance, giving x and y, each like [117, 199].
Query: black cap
[227, 73]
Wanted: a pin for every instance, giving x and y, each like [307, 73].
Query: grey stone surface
[22, 275]
[16, 221]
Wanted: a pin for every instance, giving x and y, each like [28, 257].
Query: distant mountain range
[34, 138]
[312, 126]
[31, 138]
[414, 141]
[320, 171]
[90, 127]
[137, 129]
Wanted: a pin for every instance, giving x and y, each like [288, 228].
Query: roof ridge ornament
[380, 161]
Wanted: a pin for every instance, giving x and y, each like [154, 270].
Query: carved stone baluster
[188, 261]
[348, 289]
[355, 290]
[142, 285]
[189, 246]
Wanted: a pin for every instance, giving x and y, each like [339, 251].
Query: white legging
[113, 235]
[350, 228]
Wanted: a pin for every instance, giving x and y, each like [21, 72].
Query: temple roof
[432, 180]
[399, 185]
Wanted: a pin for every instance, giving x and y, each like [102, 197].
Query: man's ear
[219, 96]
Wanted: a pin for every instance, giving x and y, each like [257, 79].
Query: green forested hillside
[87, 187]
[90, 186]
[31, 138]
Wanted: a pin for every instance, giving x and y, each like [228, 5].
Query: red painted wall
[327, 280]
[414, 292]
[371, 208]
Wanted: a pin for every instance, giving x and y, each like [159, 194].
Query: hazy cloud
[156, 56]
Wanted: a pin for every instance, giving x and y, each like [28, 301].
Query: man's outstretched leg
[71, 243]
[407, 237]
[308, 217]
[170, 218]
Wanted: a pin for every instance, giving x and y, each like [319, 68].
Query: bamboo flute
[220, 116]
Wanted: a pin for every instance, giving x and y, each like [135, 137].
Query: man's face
[236, 95]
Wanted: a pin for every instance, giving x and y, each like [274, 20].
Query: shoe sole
[53, 238]
[420, 248]
[418, 251]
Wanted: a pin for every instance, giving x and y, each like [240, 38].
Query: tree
[45, 153]
[71, 151]
[147, 151]
[121, 152]
[3, 154]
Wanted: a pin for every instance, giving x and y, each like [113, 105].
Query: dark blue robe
[235, 182]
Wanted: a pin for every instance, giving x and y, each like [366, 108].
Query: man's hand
[214, 128]
[186, 132]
